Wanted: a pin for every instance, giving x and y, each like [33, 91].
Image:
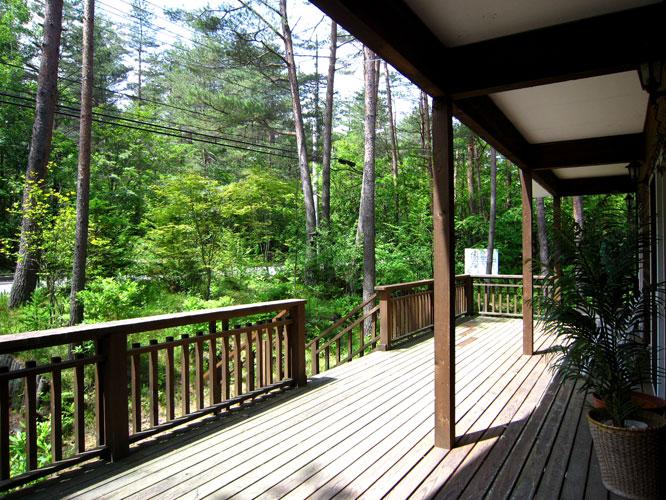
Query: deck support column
[444, 285]
[528, 312]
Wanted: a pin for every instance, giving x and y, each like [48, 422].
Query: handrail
[403, 286]
[505, 276]
[329, 343]
[16, 342]
[348, 328]
[341, 320]
[251, 359]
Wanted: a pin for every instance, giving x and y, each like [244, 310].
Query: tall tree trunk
[316, 133]
[395, 159]
[426, 134]
[544, 255]
[509, 181]
[140, 72]
[25, 276]
[493, 210]
[579, 216]
[328, 128]
[368, 187]
[471, 158]
[306, 181]
[83, 177]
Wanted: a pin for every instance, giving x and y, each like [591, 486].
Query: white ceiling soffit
[538, 191]
[577, 109]
[459, 22]
[591, 171]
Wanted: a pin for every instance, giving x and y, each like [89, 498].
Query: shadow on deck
[366, 429]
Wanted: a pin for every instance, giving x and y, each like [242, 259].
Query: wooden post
[113, 349]
[385, 320]
[469, 295]
[528, 313]
[296, 342]
[444, 286]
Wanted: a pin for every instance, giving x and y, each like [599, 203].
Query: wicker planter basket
[631, 460]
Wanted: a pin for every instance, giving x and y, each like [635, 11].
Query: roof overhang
[551, 85]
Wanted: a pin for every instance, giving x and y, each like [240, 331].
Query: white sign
[475, 261]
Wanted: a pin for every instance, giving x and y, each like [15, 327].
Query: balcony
[362, 427]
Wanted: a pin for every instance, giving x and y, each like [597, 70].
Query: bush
[108, 299]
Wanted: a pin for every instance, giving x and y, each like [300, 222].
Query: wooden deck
[365, 429]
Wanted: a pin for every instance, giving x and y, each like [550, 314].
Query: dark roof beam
[615, 184]
[584, 152]
[595, 46]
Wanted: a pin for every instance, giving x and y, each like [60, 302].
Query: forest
[157, 160]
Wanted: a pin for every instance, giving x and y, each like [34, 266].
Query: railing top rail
[411, 284]
[503, 276]
[340, 321]
[403, 286]
[71, 334]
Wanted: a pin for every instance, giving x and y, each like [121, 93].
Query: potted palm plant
[597, 308]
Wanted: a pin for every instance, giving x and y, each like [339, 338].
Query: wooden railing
[171, 378]
[403, 310]
[348, 338]
[406, 309]
[501, 294]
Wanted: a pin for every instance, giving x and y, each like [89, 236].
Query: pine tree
[83, 177]
[367, 215]
[25, 276]
[142, 38]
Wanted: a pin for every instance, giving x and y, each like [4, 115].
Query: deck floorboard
[365, 429]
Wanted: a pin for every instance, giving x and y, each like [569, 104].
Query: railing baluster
[361, 336]
[238, 366]
[4, 425]
[99, 402]
[213, 374]
[225, 366]
[327, 358]
[56, 410]
[338, 346]
[153, 385]
[79, 409]
[170, 383]
[31, 417]
[314, 357]
[271, 363]
[185, 375]
[260, 355]
[198, 370]
[249, 359]
[280, 353]
[515, 301]
[350, 344]
[135, 369]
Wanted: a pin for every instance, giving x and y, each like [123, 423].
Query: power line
[155, 129]
[161, 126]
[206, 117]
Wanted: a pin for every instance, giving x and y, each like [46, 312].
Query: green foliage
[107, 299]
[36, 313]
[17, 448]
[598, 310]
[185, 236]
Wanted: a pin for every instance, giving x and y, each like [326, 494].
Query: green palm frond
[597, 309]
